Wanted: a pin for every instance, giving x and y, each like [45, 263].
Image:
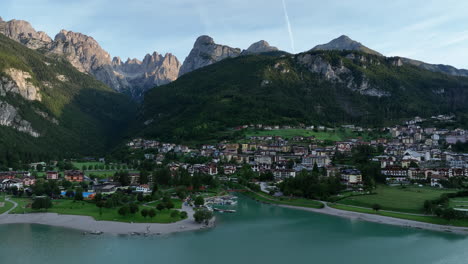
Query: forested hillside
[317, 87]
[51, 110]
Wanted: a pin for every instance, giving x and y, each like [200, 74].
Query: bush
[175, 214]
[183, 215]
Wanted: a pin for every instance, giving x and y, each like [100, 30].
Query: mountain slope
[345, 43]
[48, 108]
[318, 87]
[206, 52]
[86, 55]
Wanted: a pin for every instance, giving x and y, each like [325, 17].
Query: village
[272, 156]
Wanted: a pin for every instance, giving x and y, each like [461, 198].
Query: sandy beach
[383, 219]
[88, 224]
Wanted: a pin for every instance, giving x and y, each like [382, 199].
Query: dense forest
[76, 116]
[260, 89]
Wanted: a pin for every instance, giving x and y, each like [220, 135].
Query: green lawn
[288, 133]
[410, 199]
[177, 203]
[79, 165]
[4, 205]
[337, 135]
[70, 207]
[284, 201]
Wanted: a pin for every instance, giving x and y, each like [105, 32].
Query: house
[344, 146]
[263, 160]
[436, 181]
[143, 188]
[52, 175]
[394, 171]
[282, 174]
[8, 183]
[351, 176]
[134, 177]
[108, 187]
[149, 156]
[311, 160]
[229, 169]
[29, 181]
[74, 176]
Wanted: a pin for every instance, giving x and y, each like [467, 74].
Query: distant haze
[433, 32]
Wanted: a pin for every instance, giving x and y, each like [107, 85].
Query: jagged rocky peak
[205, 52]
[345, 43]
[260, 47]
[116, 61]
[22, 32]
[86, 55]
[81, 50]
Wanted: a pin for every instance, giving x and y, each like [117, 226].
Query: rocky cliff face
[154, 70]
[85, 54]
[341, 74]
[18, 83]
[206, 52]
[345, 43]
[24, 33]
[10, 117]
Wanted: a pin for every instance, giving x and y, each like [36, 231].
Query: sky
[429, 30]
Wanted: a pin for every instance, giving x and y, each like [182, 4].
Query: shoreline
[382, 219]
[89, 225]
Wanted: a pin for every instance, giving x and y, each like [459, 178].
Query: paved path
[11, 209]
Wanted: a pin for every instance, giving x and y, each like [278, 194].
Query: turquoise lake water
[257, 233]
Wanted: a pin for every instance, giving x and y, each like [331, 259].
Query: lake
[257, 233]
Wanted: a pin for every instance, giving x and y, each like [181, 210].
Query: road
[11, 209]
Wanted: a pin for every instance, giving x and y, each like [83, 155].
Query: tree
[144, 213]
[140, 197]
[174, 214]
[169, 205]
[133, 208]
[376, 207]
[100, 205]
[199, 201]
[144, 177]
[98, 197]
[202, 216]
[41, 203]
[66, 184]
[70, 193]
[124, 210]
[39, 167]
[183, 214]
[79, 194]
[413, 164]
[151, 213]
[160, 206]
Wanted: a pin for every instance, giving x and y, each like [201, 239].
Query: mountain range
[69, 89]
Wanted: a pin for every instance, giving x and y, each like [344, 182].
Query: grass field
[284, 201]
[337, 135]
[4, 205]
[177, 203]
[80, 165]
[408, 200]
[70, 207]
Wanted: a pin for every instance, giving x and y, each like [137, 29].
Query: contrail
[291, 38]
